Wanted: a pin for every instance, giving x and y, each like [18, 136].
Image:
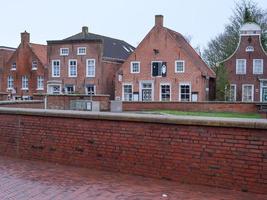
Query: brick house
[85, 63]
[25, 71]
[246, 67]
[164, 67]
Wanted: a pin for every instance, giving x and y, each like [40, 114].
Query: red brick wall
[234, 158]
[191, 106]
[23, 104]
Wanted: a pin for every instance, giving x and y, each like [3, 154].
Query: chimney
[25, 38]
[85, 30]
[159, 20]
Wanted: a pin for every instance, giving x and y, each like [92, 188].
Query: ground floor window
[247, 92]
[69, 89]
[165, 92]
[127, 92]
[232, 92]
[185, 92]
[54, 89]
[90, 89]
[147, 91]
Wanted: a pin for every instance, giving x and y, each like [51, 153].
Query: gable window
[81, 51]
[90, 89]
[127, 92]
[10, 82]
[250, 49]
[40, 82]
[13, 66]
[55, 68]
[257, 66]
[135, 67]
[179, 66]
[25, 83]
[34, 65]
[69, 89]
[159, 68]
[241, 66]
[165, 92]
[185, 92]
[247, 92]
[232, 96]
[64, 51]
[72, 68]
[90, 68]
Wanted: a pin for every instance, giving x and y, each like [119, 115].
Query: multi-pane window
[241, 66]
[64, 51]
[127, 92]
[179, 66]
[69, 89]
[55, 89]
[90, 67]
[13, 66]
[25, 82]
[159, 68]
[247, 92]
[165, 91]
[232, 96]
[40, 82]
[257, 66]
[135, 67]
[90, 89]
[185, 92]
[34, 64]
[81, 51]
[10, 82]
[55, 68]
[72, 68]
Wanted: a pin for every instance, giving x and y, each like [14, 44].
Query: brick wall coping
[74, 95]
[150, 118]
[198, 102]
[20, 102]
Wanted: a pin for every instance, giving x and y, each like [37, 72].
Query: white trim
[64, 54]
[190, 90]
[234, 91]
[236, 65]
[86, 89]
[49, 85]
[76, 66]
[175, 66]
[65, 91]
[24, 82]
[160, 97]
[53, 68]
[139, 66]
[87, 67]
[123, 84]
[254, 65]
[252, 99]
[140, 89]
[40, 88]
[81, 54]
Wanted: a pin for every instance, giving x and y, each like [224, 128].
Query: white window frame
[13, 66]
[24, 83]
[81, 53]
[160, 93]
[10, 82]
[180, 61]
[53, 70]
[243, 86]
[40, 83]
[62, 53]
[86, 89]
[234, 99]
[254, 66]
[69, 68]
[190, 91]
[65, 89]
[132, 69]
[126, 84]
[141, 87]
[87, 66]
[34, 65]
[52, 85]
[245, 67]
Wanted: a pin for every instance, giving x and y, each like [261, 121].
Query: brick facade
[220, 153]
[250, 37]
[167, 46]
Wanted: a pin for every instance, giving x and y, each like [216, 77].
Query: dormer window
[34, 65]
[64, 51]
[13, 66]
[250, 49]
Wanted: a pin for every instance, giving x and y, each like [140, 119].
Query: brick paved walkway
[21, 180]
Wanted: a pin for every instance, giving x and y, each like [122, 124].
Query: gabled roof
[7, 48]
[184, 45]
[40, 51]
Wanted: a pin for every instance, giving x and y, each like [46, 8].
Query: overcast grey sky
[122, 19]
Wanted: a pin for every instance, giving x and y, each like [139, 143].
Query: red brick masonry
[227, 153]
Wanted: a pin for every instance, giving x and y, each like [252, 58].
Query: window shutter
[164, 69]
[155, 69]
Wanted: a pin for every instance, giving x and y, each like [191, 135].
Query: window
[127, 92]
[13, 66]
[257, 66]
[90, 89]
[55, 68]
[241, 66]
[232, 96]
[34, 65]
[72, 68]
[54, 89]
[159, 68]
[135, 67]
[250, 49]
[10, 82]
[69, 89]
[185, 92]
[40, 82]
[165, 92]
[247, 93]
[179, 66]
[90, 68]
[64, 51]
[81, 51]
[24, 83]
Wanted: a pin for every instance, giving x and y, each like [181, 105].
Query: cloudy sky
[123, 19]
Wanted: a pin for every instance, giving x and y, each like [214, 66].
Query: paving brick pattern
[32, 180]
